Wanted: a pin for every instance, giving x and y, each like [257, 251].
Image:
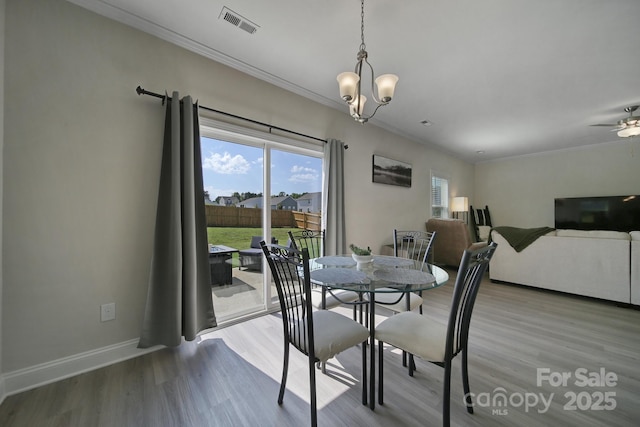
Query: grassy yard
[240, 238]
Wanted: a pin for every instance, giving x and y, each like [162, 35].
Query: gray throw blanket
[520, 238]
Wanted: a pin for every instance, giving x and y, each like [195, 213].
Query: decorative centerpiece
[361, 256]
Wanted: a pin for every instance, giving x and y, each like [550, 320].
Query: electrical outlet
[107, 312]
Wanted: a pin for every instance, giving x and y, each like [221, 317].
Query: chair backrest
[290, 270]
[255, 241]
[478, 218]
[473, 265]
[413, 244]
[312, 240]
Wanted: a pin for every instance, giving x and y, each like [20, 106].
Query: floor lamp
[460, 204]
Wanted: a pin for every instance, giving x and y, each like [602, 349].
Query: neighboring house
[254, 202]
[284, 203]
[227, 201]
[310, 202]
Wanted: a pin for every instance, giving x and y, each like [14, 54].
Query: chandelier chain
[362, 45]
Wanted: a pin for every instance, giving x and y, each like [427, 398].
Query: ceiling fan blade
[631, 121]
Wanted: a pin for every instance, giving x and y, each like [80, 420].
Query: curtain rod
[141, 91]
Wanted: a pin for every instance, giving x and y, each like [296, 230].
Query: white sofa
[591, 263]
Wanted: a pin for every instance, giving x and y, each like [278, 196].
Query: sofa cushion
[635, 235]
[599, 234]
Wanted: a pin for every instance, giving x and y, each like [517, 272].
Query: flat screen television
[616, 213]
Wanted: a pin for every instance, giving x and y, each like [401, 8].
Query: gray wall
[81, 164]
[520, 191]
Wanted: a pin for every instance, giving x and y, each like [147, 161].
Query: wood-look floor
[231, 376]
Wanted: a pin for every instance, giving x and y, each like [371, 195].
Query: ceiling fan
[626, 127]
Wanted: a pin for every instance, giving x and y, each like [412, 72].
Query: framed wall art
[392, 172]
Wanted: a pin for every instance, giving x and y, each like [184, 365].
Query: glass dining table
[384, 274]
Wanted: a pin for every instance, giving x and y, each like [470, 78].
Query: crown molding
[146, 26]
[124, 17]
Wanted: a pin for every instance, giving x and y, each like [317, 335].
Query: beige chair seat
[420, 335]
[334, 298]
[388, 301]
[332, 334]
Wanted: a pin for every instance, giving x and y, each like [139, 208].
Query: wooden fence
[231, 216]
[308, 221]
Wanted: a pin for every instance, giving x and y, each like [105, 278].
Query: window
[439, 196]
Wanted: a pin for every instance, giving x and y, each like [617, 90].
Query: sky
[228, 167]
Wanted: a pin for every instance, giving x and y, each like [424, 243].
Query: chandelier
[350, 83]
[629, 126]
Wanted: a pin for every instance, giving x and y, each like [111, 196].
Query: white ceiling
[504, 77]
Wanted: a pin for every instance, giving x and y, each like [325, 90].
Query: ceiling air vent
[238, 20]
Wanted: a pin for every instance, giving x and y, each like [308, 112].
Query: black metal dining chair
[319, 334]
[415, 245]
[313, 241]
[434, 340]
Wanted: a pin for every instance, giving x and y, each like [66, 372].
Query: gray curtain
[333, 198]
[179, 302]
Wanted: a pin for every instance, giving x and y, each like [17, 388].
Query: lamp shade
[460, 204]
[354, 105]
[348, 82]
[630, 131]
[386, 84]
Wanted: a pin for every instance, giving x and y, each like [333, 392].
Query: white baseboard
[56, 370]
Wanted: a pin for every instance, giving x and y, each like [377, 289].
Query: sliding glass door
[233, 183]
[257, 186]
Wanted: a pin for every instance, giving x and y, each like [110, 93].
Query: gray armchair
[454, 237]
[251, 258]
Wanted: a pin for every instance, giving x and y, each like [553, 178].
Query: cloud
[226, 164]
[303, 174]
[299, 169]
[302, 177]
